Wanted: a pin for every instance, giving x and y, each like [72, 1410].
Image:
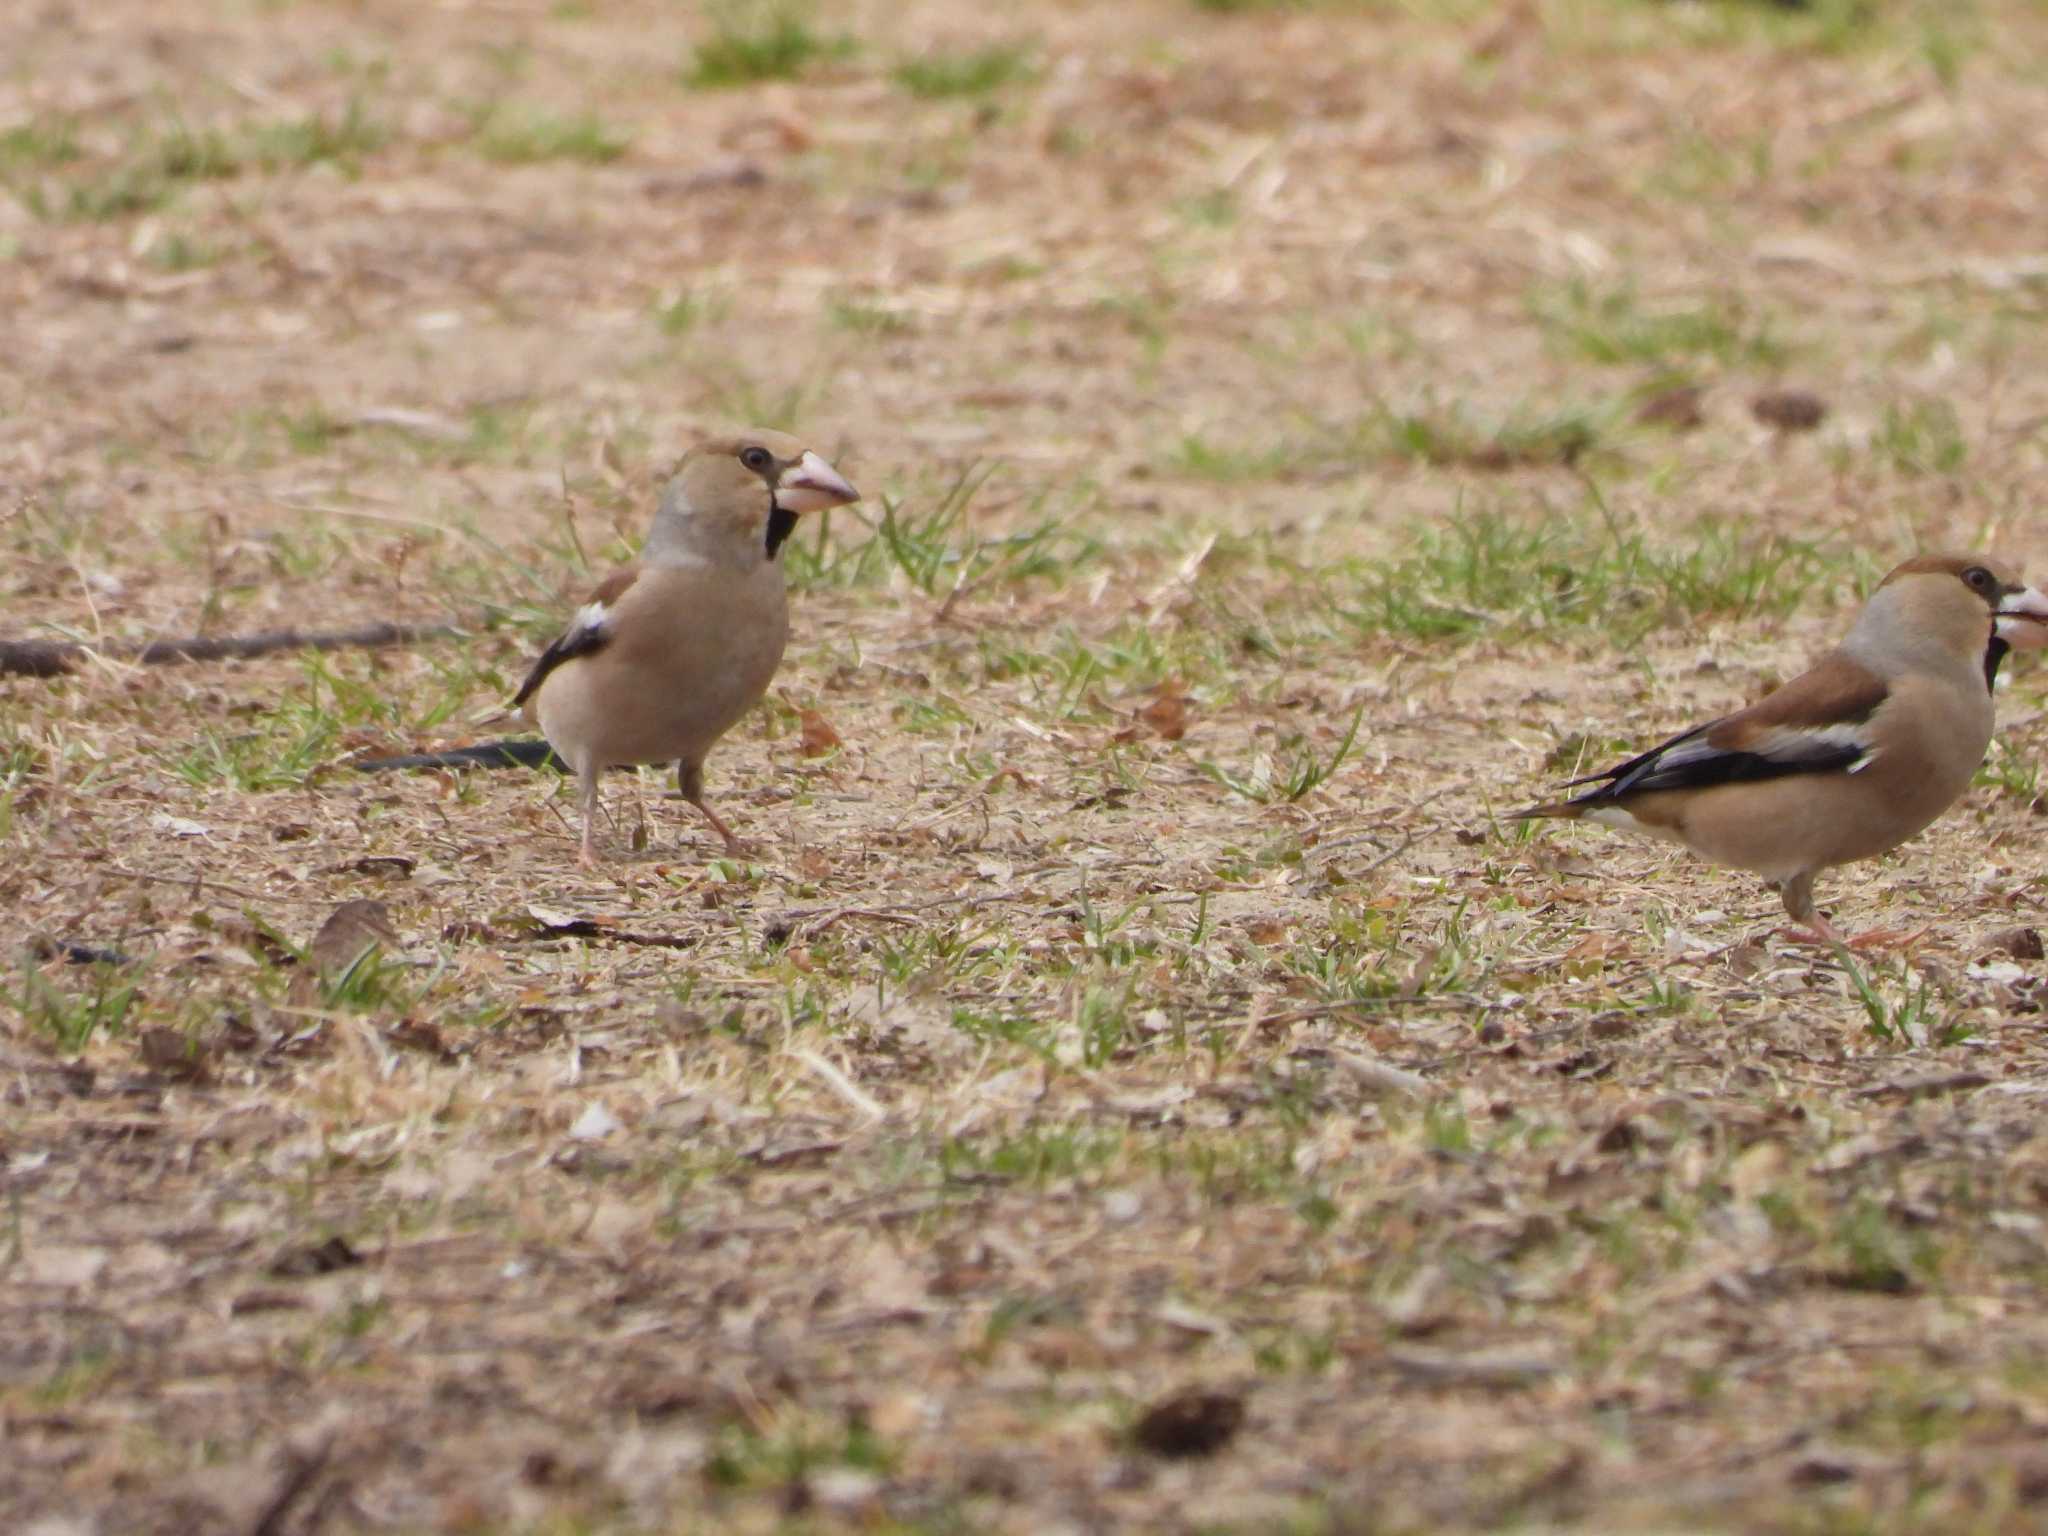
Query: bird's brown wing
[1820, 722]
[590, 631]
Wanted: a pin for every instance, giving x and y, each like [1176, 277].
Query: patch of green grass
[1696, 167]
[1302, 769]
[1199, 458]
[155, 167]
[308, 431]
[292, 741]
[864, 319]
[1145, 315]
[749, 1455]
[678, 314]
[175, 251]
[1901, 1008]
[938, 76]
[73, 1018]
[39, 144]
[932, 549]
[531, 136]
[1812, 26]
[368, 982]
[1451, 439]
[2013, 773]
[1034, 1154]
[756, 40]
[1950, 36]
[82, 1374]
[739, 396]
[1481, 570]
[317, 139]
[182, 153]
[1214, 209]
[1616, 325]
[246, 762]
[163, 157]
[1921, 437]
[1877, 1252]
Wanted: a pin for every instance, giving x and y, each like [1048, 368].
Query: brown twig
[301, 1469]
[53, 658]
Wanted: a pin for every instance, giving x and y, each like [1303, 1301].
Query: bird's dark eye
[1980, 580]
[758, 460]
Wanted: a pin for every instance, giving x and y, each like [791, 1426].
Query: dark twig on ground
[53, 658]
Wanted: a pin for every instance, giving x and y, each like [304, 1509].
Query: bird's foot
[1888, 938]
[1812, 930]
[1821, 931]
[736, 847]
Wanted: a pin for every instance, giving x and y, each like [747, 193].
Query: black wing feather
[583, 640]
[1670, 766]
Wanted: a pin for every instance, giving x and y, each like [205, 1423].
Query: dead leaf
[1167, 714]
[265, 1301]
[1789, 410]
[1678, 409]
[310, 1259]
[1192, 1422]
[1596, 946]
[350, 929]
[171, 1052]
[2020, 943]
[1267, 927]
[818, 738]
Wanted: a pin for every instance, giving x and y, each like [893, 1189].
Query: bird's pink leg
[690, 779]
[586, 785]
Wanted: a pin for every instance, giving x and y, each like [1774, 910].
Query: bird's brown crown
[1990, 579]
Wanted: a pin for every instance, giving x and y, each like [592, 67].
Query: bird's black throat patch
[1994, 653]
[781, 524]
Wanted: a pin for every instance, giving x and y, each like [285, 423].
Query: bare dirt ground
[1139, 1085]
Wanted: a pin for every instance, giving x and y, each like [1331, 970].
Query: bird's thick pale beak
[812, 485]
[2022, 620]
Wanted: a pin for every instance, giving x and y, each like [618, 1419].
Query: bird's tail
[1558, 810]
[512, 752]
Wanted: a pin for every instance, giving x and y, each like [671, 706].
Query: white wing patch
[1791, 743]
[589, 620]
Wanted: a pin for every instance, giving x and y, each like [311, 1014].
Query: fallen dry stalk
[54, 658]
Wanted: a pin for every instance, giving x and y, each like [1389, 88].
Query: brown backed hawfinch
[669, 652]
[1847, 760]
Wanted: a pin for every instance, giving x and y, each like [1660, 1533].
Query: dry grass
[1141, 994]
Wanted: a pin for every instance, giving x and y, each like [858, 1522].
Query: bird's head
[1969, 607]
[738, 497]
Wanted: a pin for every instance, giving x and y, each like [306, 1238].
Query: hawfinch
[671, 651]
[1847, 760]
